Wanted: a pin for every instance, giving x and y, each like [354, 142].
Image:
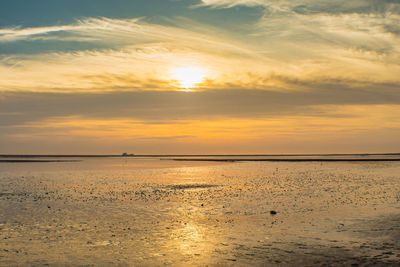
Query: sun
[188, 77]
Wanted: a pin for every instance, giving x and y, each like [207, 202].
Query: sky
[199, 76]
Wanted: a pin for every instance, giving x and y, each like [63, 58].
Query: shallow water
[146, 212]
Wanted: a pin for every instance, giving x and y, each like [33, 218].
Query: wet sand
[327, 213]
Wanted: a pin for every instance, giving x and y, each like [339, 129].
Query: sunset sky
[199, 77]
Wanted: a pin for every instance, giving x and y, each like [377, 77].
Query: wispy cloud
[309, 41]
[121, 48]
[313, 6]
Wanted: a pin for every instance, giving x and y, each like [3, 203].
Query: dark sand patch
[192, 186]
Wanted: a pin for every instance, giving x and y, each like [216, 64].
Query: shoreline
[291, 160]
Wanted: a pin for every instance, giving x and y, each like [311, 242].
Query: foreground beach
[146, 212]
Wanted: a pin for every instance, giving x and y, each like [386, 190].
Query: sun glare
[188, 77]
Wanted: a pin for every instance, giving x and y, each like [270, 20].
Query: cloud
[121, 48]
[339, 22]
[314, 6]
[304, 41]
[95, 27]
[232, 3]
[125, 32]
[164, 107]
[363, 16]
[348, 39]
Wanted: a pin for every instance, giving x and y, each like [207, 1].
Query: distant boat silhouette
[127, 155]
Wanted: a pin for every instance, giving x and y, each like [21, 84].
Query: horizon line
[196, 155]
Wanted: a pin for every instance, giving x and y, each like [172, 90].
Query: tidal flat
[147, 212]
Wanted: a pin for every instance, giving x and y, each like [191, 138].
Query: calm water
[147, 211]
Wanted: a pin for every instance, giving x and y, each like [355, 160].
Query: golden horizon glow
[188, 77]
